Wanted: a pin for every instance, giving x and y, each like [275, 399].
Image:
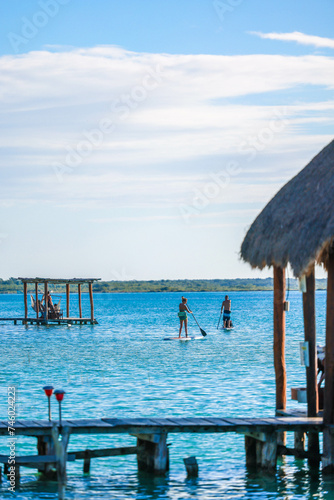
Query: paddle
[219, 320]
[202, 331]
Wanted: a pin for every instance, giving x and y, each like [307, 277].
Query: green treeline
[13, 285]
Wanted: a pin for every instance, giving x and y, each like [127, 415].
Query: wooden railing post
[67, 300]
[46, 302]
[279, 337]
[36, 298]
[79, 297]
[25, 291]
[91, 301]
[328, 454]
[311, 370]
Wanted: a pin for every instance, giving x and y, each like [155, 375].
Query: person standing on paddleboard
[183, 309]
[226, 307]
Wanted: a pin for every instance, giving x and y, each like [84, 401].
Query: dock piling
[153, 454]
[191, 466]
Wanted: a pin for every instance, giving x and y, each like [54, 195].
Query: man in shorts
[226, 307]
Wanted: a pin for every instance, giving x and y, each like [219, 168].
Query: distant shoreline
[14, 286]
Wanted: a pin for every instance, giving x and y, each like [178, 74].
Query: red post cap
[48, 389]
[59, 393]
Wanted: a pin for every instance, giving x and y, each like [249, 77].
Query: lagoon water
[122, 367]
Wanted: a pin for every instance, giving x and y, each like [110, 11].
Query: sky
[139, 140]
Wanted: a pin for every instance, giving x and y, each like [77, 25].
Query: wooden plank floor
[168, 425]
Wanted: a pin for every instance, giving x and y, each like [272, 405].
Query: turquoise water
[121, 367]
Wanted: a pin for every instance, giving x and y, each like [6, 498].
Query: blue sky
[140, 139]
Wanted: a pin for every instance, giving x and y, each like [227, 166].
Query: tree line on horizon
[13, 285]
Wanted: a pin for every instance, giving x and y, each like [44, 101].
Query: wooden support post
[279, 337]
[46, 301]
[267, 453]
[86, 465]
[36, 298]
[61, 454]
[300, 444]
[191, 466]
[310, 337]
[152, 454]
[25, 291]
[79, 297]
[261, 451]
[311, 370]
[250, 448]
[91, 301]
[67, 300]
[328, 453]
[45, 446]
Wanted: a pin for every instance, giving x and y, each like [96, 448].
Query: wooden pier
[55, 321]
[48, 313]
[262, 440]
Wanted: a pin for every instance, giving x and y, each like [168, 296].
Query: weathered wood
[329, 357]
[250, 449]
[36, 298]
[153, 455]
[25, 292]
[300, 443]
[328, 451]
[79, 297]
[86, 465]
[46, 301]
[310, 337]
[90, 286]
[67, 300]
[45, 448]
[279, 337]
[60, 447]
[268, 449]
[104, 452]
[191, 466]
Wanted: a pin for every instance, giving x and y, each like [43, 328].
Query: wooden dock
[58, 321]
[264, 440]
[167, 425]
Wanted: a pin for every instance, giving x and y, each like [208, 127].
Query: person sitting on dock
[183, 309]
[48, 303]
[226, 307]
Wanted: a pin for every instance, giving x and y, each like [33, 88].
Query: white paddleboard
[182, 339]
[231, 328]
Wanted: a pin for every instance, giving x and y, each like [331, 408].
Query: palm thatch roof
[297, 225]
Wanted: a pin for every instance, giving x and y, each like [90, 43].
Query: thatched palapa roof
[297, 225]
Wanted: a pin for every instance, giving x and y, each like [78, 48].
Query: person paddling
[226, 306]
[183, 309]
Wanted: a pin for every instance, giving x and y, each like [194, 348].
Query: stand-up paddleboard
[182, 339]
[228, 328]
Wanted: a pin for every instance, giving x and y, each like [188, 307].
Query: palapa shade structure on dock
[297, 227]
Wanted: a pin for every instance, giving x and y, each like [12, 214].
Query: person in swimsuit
[183, 309]
[226, 307]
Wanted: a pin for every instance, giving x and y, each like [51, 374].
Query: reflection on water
[123, 368]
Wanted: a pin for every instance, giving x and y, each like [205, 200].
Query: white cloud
[297, 36]
[188, 121]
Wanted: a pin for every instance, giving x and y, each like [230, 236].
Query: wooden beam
[90, 285]
[310, 337]
[328, 435]
[311, 370]
[279, 337]
[36, 298]
[329, 356]
[25, 291]
[46, 301]
[67, 300]
[79, 297]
